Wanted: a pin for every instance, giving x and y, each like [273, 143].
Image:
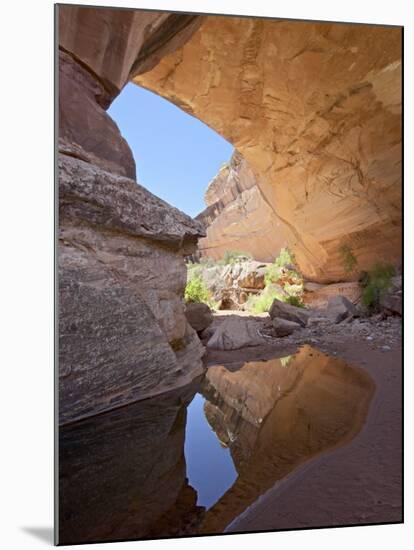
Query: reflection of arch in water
[315, 404]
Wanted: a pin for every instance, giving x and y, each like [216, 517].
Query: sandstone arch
[315, 108]
[326, 152]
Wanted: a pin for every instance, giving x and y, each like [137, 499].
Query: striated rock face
[123, 332]
[123, 335]
[317, 296]
[116, 44]
[315, 109]
[237, 217]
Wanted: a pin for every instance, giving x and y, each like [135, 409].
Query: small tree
[375, 284]
[348, 258]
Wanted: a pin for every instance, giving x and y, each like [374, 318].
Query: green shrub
[273, 272]
[294, 290]
[294, 301]
[196, 291]
[261, 303]
[375, 284]
[285, 257]
[348, 258]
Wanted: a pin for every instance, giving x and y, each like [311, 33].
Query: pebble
[386, 348]
[369, 338]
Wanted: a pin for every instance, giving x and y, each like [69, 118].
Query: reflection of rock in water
[123, 474]
[274, 417]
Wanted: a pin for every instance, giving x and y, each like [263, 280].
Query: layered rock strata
[237, 217]
[315, 109]
[123, 335]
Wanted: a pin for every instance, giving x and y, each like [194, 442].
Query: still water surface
[192, 461]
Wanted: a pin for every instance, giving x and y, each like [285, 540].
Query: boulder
[283, 327]
[235, 333]
[199, 316]
[339, 307]
[252, 275]
[288, 312]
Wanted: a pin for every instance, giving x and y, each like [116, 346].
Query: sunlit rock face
[315, 109]
[237, 217]
[274, 415]
[123, 335]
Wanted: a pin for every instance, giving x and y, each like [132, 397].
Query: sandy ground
[359, 483]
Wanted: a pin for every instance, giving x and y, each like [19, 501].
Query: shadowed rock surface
[123, 474]
[123, 334]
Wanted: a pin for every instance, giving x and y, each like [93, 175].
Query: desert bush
[197, 291]
[375, 284]
[295, 290]
[348, 258]
[274, 271]
[260, 303]
[294, 301]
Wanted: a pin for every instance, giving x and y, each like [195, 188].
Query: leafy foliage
[197, 291]
[274, 271]
[348, 258]
[375, 284]
[294, 301]
[260, 303]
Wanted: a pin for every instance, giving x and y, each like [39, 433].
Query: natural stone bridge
[315, 110]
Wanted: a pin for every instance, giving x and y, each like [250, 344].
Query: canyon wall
[123, 335]
[315, 109]
[237, 217]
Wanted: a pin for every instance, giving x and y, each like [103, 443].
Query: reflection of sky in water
[210, 468]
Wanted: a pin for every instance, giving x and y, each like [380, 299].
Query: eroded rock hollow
[315, 109]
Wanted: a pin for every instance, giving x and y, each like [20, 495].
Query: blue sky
[176, 154]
